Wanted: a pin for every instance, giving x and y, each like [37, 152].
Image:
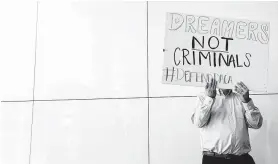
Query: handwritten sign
[198, 48]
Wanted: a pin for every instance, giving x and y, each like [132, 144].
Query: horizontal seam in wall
[115, 98]
[103, 98]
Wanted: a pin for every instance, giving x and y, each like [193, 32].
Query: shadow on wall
[273, 141]
[264, 143]
[258, 139]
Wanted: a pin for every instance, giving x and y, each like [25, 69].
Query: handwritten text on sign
[198, 48]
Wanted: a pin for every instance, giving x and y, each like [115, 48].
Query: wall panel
[15, 132]
[101, 131]
[91, 49]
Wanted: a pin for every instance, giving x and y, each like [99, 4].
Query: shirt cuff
[249, 106]
[208, 100]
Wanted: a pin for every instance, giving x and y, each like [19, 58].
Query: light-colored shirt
[224, 123]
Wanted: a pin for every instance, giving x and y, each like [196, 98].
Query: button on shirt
[224, 123]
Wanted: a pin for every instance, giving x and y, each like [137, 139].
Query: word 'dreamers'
[198, 48]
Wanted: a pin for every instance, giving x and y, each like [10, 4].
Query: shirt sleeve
[200, 116]
[253, 116]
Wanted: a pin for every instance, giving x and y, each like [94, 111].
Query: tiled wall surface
[95, 76]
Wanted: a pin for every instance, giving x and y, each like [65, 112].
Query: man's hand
[211, 88]
[243, 91]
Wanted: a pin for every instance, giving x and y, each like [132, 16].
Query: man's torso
[226, 131]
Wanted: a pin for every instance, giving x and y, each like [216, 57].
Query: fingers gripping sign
[243, 91]
[210, 88]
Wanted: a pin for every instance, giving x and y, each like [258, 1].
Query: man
[224, 118]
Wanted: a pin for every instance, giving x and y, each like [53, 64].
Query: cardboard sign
[198, 48]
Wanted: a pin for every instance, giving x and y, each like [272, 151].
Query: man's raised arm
[253, 116]
[201, 115]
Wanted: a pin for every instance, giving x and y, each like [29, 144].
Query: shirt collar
[219, 92]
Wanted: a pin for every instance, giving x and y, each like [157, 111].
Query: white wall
[91, 80]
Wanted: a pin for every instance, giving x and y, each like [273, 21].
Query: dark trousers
[244, 159]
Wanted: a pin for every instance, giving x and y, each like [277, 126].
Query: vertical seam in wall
[34, 82]
[267, 68]
[148, 95]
